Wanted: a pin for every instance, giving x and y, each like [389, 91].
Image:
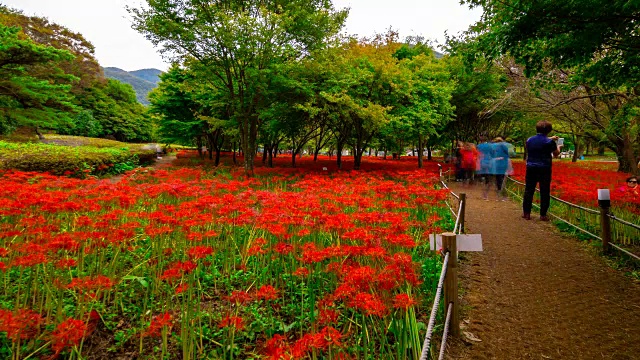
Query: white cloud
[107, 24]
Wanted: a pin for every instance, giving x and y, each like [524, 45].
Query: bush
[77, 161]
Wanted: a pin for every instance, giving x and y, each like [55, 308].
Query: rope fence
[600, 224]
[448, 281]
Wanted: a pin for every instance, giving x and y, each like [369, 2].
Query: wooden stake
[449, 243]
[463, 203]
[605, 227]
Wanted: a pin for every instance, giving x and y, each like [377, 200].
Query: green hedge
[77, 161]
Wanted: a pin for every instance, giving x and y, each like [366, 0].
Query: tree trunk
[249, 133]
[199, 146]
[601, 149]
[576, 142]
[270, 157]
[264, 154]
[218, 149]
[40, 136]
[420, 155]
[626, 158]
[429, 157]
[293, 158]
[235, 161]
[357, 158]
[339, 154]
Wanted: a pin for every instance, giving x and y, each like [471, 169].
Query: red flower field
[578, 183]
[192, 262]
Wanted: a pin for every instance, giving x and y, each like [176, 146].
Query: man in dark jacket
[540, 150]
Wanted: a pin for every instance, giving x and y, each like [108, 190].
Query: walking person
[501, 165]
[485, 164]
[458, 161]
[469, 161]
[540, 149]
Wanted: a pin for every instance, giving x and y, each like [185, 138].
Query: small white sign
[466, 242]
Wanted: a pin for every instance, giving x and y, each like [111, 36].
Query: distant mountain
[152, 75]
[143, 81]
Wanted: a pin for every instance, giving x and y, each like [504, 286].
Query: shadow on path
[536, 294]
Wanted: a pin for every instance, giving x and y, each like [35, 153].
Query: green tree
[237, 42]
[424, 106]
[598, 37]
[114, 106]
[83, 65]
[25, 99]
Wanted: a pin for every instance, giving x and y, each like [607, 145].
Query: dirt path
[537, 294]
[162, 163]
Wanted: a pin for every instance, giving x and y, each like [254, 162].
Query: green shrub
[78, 161]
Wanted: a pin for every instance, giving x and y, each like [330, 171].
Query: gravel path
[537, 294]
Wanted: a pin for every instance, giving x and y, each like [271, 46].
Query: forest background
[274, 76]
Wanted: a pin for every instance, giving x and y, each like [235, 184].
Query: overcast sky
[107, 24]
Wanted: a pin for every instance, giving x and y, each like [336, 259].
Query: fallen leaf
[471, 337]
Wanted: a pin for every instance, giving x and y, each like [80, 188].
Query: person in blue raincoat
[501, 164]
[485, 163]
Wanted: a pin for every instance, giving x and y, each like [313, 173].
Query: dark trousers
[499, 181]
[534, 176]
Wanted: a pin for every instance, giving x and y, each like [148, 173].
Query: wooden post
[449, 243]
[604, 201]
[463, 203]
[605, 227]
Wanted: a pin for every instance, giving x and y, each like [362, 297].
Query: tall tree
[237, 42]
[600, 37]
[425, 104]
[26, 99]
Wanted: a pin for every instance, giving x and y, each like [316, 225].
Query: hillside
[151, 75]
[143, 81]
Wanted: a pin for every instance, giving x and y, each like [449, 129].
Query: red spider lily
[178, 269]
[159, 322]
[29, 260]
[403, 240]
[267, 292]
[327, 337]
[67, 334]
[277, 348]
[199, 252]
[302, 272]
[20, 325]
[240, 297]
[255, 250]
[368, 303]
[328, 316]
[403, 301]
[283, 248]
[303, 232]
[91, 283]
[229, 321]
[182, 288]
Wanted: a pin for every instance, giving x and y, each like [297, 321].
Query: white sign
[465, 242]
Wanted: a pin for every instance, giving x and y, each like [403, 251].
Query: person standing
[540, 149]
